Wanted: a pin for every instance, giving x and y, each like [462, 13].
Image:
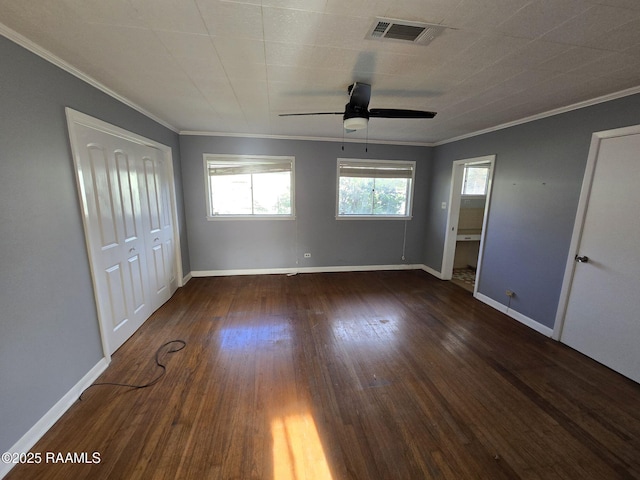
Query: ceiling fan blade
[314, 113]
[399, 113]
[360, 94]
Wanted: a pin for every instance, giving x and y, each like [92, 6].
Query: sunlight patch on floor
[297, 450]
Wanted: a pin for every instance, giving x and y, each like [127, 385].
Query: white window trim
[395, 163]
[232, 158]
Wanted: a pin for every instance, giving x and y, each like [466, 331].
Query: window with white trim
[249, 186]
[475, 179]
[374, 188]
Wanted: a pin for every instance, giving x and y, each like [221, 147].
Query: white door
[107, 172]
[602, 316]
[159, 241]
[126, 192]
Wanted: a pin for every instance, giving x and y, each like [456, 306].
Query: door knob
[583, 259]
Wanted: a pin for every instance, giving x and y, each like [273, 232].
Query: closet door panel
[107, 173]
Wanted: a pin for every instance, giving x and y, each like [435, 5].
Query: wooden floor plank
[368, 375]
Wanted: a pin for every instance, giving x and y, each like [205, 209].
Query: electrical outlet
[510, 293]
[307, 255]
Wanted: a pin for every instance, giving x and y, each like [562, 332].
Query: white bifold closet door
[158, 228]
[126, 202]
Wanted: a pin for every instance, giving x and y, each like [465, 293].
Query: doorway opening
[466, 222]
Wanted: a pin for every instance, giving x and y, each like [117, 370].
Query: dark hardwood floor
[372, 375]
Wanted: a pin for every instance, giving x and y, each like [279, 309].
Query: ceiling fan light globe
[355, 123]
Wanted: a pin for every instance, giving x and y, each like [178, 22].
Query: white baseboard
[295, 270]
[186, 279]
[41, 427]
[538, 327]
[431, 271]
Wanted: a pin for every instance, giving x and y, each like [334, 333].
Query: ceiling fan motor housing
[355, 111]
[356, 116]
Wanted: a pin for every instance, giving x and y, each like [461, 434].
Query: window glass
[356, 196]
[373, 188]
[249, 186]
[475, 180]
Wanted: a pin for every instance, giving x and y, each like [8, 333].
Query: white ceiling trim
[576, 106]
[51, 58]
[313, 139]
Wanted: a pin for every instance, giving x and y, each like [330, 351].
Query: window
[243, 186]
[475, 179]
[374, 189]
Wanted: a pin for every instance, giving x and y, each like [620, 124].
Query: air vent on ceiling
[415, 32]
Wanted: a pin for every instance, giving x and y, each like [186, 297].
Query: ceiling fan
[357, 113]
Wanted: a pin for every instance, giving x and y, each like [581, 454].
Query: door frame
[581, 214]
[453, 215]
[77, 118]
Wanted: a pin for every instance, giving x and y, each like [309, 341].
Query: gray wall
[538, 175]
[249, 244]
[49, 336]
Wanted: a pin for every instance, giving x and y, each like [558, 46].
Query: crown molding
[57, 61]
[305, 138]
[569, 108]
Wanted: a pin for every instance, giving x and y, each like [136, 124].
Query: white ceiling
[231, 66]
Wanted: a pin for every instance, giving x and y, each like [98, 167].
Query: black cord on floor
[181, 343]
